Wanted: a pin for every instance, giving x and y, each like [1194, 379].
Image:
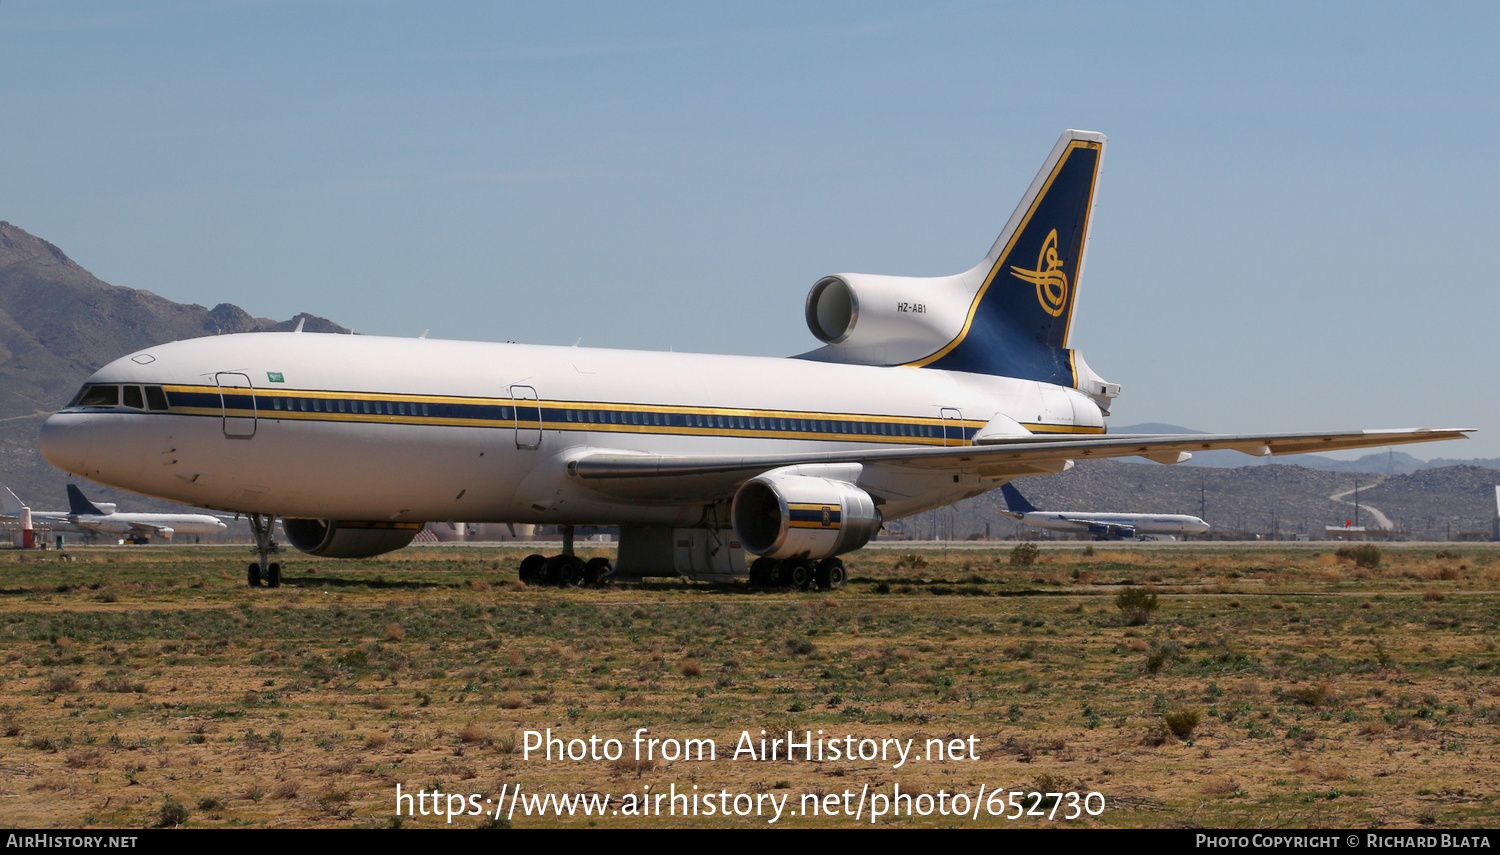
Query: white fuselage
[1081, 522]
[123, 524]
[111, 522]
[370, 428]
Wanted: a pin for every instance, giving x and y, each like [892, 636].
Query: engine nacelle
[887, 320]
[802, 516]
[349, 538]
[1116, 532]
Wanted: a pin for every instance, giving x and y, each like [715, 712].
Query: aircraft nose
[65, 441]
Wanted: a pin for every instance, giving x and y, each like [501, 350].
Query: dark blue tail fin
[1018, 322]
[80, 506]
[1015, 501]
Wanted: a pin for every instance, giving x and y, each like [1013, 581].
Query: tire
[532, 567]
[596, 569]
[565, 571]
[763, 572]
[797, 573]
[273, 576]
[253, 575]
[831, 574]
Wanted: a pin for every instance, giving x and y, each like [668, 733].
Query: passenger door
[237, 401]
[528, 416]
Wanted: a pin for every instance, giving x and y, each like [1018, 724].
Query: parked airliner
[84, 515]
[926, 391]
[1097, 525]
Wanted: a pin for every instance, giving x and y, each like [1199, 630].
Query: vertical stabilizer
[1019, 321]
[1015, 501]
[1008, 316]
[80, 506]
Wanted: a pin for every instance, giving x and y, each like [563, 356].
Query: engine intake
[801, 516]
[873, 319]
[349, 538]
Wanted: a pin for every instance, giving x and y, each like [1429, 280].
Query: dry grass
[1321, 699]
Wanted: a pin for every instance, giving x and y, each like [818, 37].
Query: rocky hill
[58, 324]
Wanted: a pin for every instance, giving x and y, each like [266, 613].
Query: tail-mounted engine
[871, 319]
[802, 516]
[1008, 316]
[349, 538]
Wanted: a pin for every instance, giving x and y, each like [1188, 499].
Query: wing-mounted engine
[1110, 531]
[349, 538]
[778, 515]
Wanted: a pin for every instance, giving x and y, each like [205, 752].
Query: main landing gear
[565, 570]
[800, 573]
[264, 527]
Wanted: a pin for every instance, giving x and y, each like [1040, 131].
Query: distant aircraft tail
[9, 504]
[78, 505]
[1015, 501]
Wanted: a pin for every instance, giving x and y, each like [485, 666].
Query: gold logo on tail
[1050, 281]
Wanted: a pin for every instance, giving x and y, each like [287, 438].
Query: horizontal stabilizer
[9, 503]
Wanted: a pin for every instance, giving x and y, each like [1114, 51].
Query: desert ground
[1266, 686]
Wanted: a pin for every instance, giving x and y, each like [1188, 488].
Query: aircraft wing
[41, 521]
[1085, 521]
[632, 474]
[152, 530]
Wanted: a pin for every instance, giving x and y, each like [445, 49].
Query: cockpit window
[98, 396]
[109, 395]
[156, 399]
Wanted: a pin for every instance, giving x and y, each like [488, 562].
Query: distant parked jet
[84, 515]
[1100, 526]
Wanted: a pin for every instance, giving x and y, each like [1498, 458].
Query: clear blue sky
[1296, 228]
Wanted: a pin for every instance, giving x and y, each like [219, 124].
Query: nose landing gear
[264, 528]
